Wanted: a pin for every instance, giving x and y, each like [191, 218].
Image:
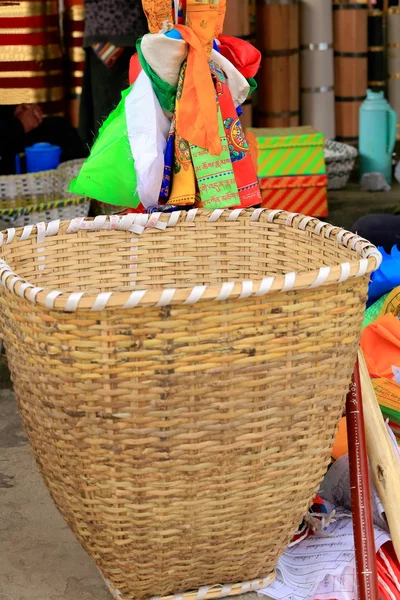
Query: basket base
[206, 592]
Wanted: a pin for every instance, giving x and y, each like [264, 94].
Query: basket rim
[17, 211]
[58, 300]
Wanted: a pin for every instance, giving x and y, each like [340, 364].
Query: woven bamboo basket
[33, 197]
[181, 378]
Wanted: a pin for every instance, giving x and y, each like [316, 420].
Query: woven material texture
[181, 378]
[33, 197]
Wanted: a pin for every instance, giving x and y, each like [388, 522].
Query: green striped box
[285, 152]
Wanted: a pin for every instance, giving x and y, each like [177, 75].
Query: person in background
[111, 30]
[24, 125]
[380, 229]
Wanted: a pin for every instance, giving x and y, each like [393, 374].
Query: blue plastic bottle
[378, 123]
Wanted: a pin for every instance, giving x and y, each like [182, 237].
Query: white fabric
[148, 129]
[237, 84]
[164, 55]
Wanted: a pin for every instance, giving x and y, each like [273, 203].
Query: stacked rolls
[317, 70]
[30, 55]
[278, 38]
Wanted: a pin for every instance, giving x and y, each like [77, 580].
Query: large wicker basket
[34, 197]
[181, 378]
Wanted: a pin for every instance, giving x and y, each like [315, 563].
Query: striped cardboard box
[305, 194]
[286, 152]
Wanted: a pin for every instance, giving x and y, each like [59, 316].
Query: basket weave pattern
[43, 196]
[183, 431]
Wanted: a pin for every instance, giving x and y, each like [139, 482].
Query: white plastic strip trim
[322, 277]
[75, 225]
[247, 289]
[235, 214]
[202, 593]
[290, 280]
[226, 290]
[52, 228]
[136, 228]
[101, 301]
[135, 298]
[166, 297]
[173, 219]
[319, 226]
[51, 297]
[329, 230]
[265, 286]
[272, 214]
[345, 272]
[375, 254]
[26, 232]
[100, 221]
[72, 302]
[196, 293]
[5, 275]
[257, 214]
[114, 220]
[341, 235]
[304, 222]
[11, 283]
[41, 233]
[22, 289]
[215, 215]
[10, 235]
[33, 292]
[290, 218]
[363, 267]
[191, 214]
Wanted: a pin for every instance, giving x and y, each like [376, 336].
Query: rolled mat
[376, 51]
[393, 36]
[279, 41]
[240, 21]
[317, 71]
[350, 26]
[30, 55]
[74, 21]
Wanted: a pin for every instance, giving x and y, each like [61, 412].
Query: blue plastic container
[42, 157]
[378, 122]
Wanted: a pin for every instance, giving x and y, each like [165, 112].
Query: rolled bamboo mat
[393, 37]
[350, 27]
[74, 21]
[240, 21]
[376, 51]
[278, 38]
[317, 71]
[30, 55]
[382, 458]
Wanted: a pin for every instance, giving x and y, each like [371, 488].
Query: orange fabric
[197, 121]
[134, 68]
[221, 18]
[203, 17]
[380, 343]
[340, 447]
[157, 11]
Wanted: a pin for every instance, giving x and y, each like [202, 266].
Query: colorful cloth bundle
[176, 137]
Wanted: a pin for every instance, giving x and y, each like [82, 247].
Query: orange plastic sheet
[380, 343]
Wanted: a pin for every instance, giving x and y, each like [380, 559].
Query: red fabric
[241, 54]
[134, 68]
